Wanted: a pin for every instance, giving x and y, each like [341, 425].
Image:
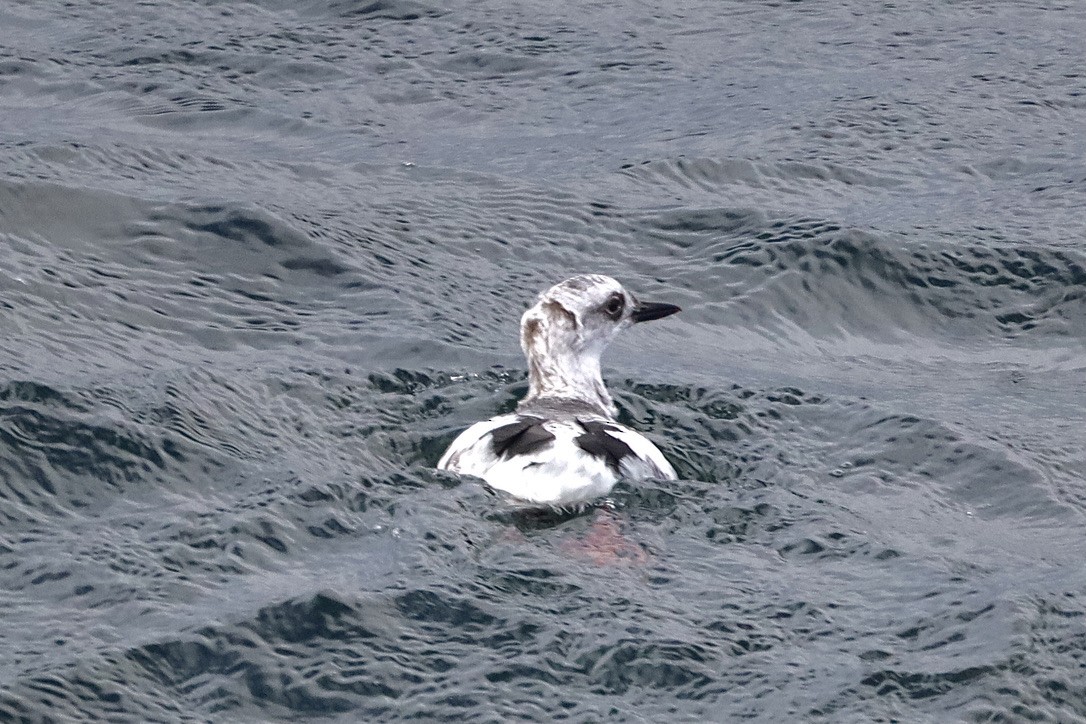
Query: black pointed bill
[648, 311]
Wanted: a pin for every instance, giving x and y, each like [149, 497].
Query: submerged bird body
[563, 446]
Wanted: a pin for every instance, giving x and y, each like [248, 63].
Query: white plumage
[562, 446]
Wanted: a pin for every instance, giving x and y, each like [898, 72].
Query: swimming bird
[563, 445]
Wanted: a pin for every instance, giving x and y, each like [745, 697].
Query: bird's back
[554, 460]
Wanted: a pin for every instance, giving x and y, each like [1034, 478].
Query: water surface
[262, 261]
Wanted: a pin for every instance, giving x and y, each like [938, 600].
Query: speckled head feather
[564, 334]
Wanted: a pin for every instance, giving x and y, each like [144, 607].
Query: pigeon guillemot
[563, 446]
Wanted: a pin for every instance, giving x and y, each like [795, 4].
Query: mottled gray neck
[560, 408]
[566, 384]
[562, 371]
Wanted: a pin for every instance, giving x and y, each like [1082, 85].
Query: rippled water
[262, 261]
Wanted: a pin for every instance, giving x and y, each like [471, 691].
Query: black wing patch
[520, 438]
[595, 441]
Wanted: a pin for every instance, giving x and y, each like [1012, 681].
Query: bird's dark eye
[614, 306]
